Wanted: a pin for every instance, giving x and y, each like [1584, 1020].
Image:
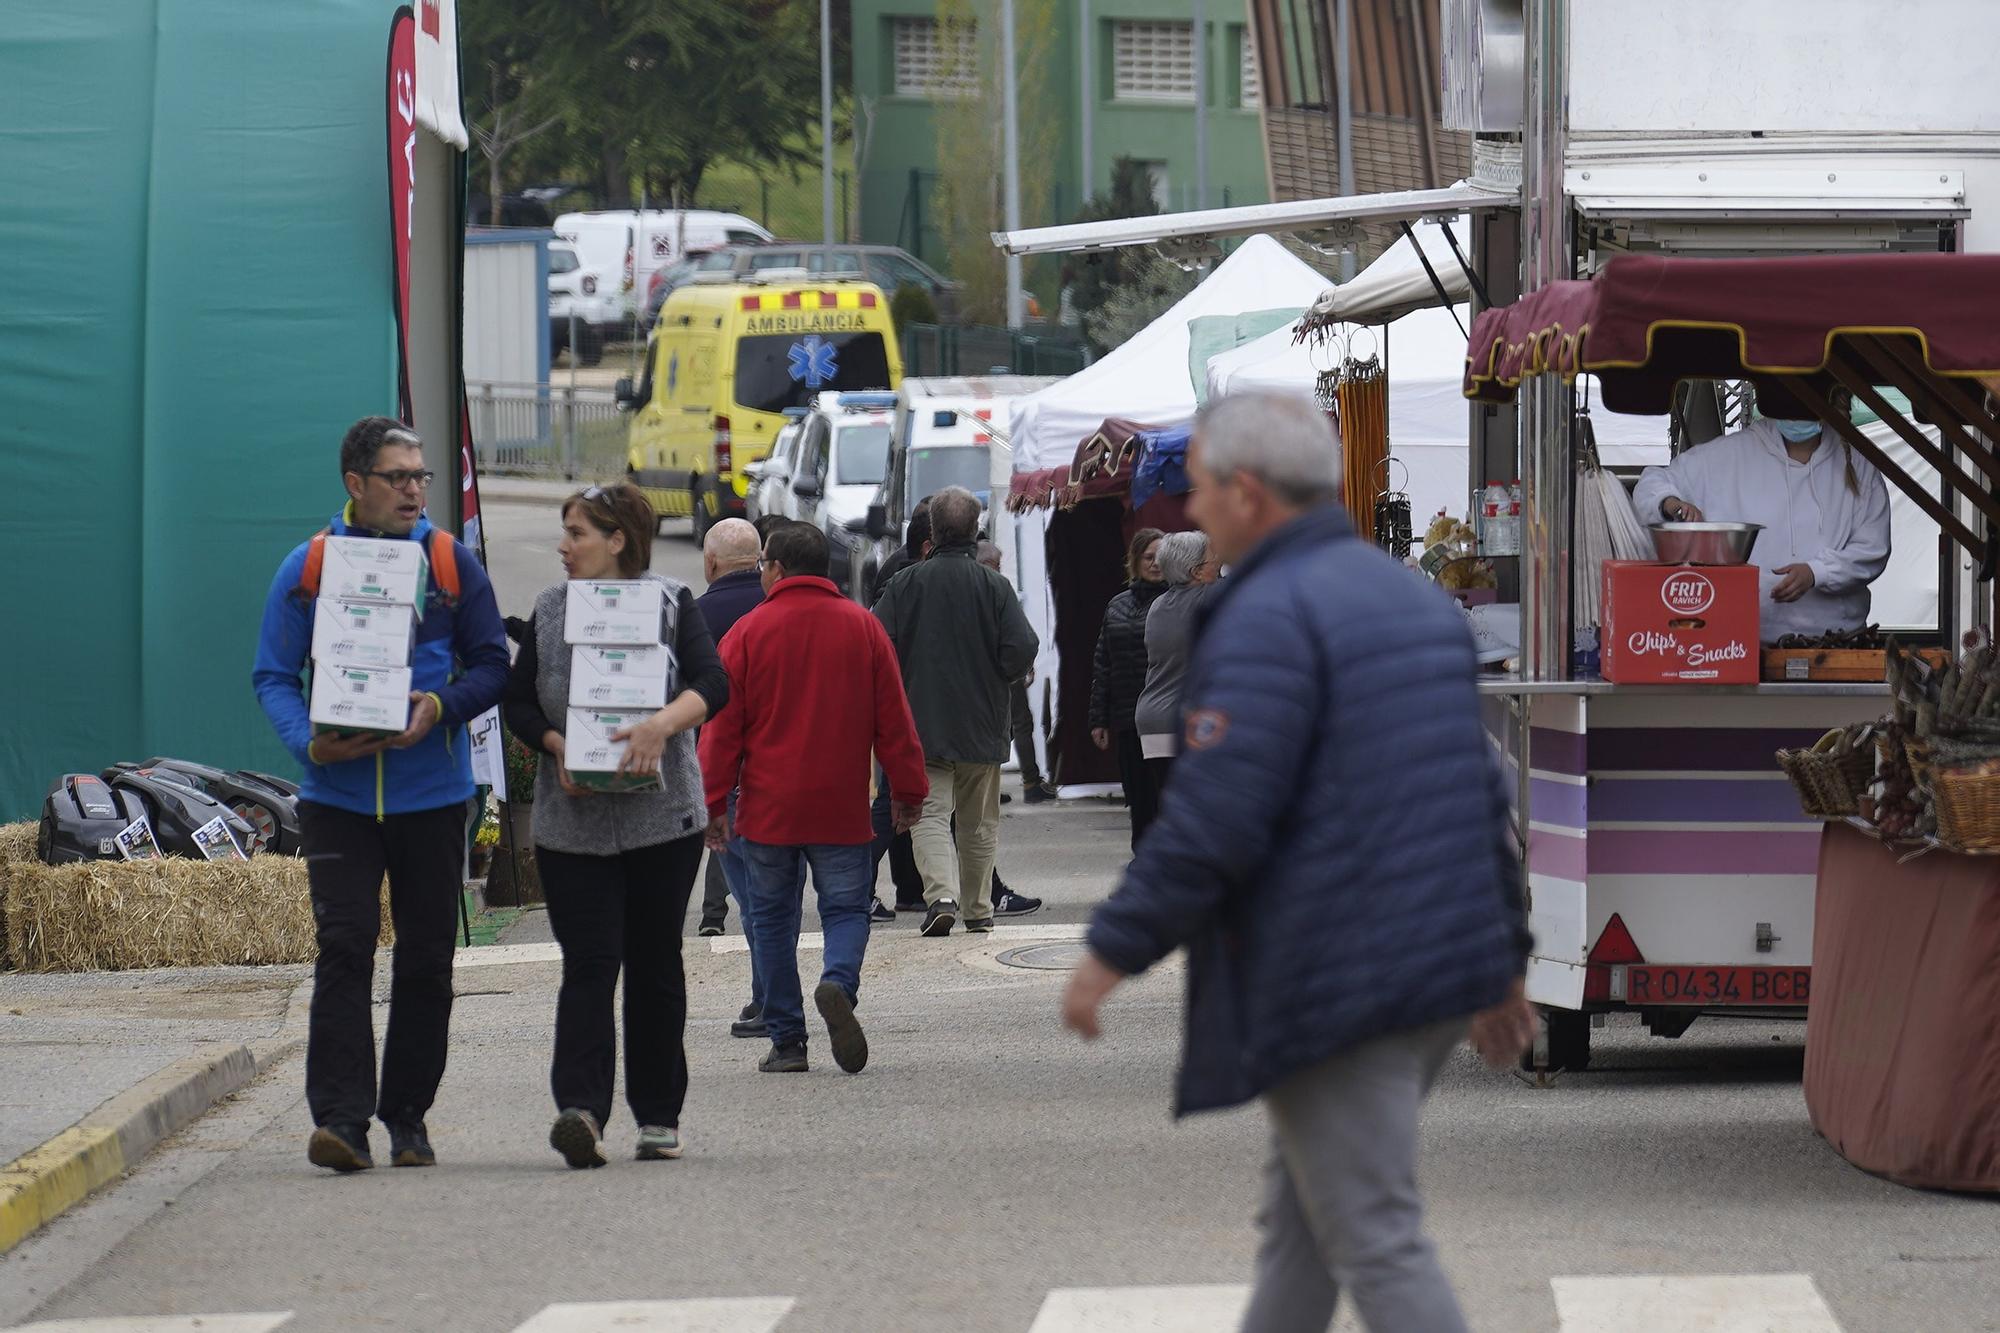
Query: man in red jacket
[815, 691]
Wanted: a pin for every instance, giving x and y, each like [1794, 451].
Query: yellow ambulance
[726, 359]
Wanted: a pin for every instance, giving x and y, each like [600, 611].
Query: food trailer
[1671, 870]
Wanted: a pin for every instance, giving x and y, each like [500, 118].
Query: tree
[1148, 286]
[499, 77]
[1101, 273]
[645, 91]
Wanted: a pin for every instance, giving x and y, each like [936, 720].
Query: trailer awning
[1304, 215]
[1710, 192]
[1795, 328]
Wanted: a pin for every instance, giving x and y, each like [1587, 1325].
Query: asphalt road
[987, 1166]
[521, 539]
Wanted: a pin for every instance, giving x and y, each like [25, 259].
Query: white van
[628, 245]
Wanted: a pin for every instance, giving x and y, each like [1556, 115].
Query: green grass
[789, 208]
[488, 925]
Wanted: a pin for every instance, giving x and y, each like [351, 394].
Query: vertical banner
[402, 183]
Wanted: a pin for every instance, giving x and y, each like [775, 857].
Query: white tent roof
[1395, 284]
[1146, 379]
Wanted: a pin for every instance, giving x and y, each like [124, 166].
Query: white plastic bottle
[1499, 534]
[1514, 512]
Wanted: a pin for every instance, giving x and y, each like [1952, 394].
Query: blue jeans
[736, 874]
[844, 880]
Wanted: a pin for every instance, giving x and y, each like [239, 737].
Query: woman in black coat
[1118, 675]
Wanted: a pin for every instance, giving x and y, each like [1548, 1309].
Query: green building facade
[909, 68]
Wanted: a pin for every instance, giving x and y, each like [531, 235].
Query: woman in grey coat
[617, 866]
[1191, 581]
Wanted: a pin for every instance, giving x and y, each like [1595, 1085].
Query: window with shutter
[1152, 62]
[934, 61]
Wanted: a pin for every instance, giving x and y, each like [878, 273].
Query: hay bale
[173, 913]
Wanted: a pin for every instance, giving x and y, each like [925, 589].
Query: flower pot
[512, 880]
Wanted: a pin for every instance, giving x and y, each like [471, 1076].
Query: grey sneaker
[578, 1137]
[941, 917]
[784, 1060]
[658, 1143]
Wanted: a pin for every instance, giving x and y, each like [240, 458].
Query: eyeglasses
[402, 479]
[595, 493]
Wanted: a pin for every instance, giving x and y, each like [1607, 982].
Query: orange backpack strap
[444, 565]
[308, 589]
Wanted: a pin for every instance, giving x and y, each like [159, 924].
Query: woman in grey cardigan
[1190, 577]
[617, 867]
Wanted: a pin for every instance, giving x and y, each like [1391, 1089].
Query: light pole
[1343, 58]
[1010, 134]
[826, 120]
[1200, 104]
[1086, 101]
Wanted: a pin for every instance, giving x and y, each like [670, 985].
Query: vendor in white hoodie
[1824, 510]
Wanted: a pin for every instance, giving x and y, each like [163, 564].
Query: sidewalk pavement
[101, 1066]
[529, 490]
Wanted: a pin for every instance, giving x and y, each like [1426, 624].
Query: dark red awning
[1102, 467]
[1644, 323]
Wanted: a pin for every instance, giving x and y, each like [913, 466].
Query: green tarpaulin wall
[196, 303]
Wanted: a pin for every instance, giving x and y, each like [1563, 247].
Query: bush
[912, 305]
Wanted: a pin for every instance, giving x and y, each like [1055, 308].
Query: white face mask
[1799, 432]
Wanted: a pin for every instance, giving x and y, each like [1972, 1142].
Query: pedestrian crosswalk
[503, 955]
[1720, 1303]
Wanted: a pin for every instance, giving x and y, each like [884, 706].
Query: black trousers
[611, 912]
[714, 895]
[897, 847]
[1142, 791]
[423, 854]
[1023, 724]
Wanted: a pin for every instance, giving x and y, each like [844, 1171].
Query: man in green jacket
[961, 639]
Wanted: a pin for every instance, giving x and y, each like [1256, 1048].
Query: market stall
[1669, 870]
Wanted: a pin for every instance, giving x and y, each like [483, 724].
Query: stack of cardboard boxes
[619, 673]
[371, 596]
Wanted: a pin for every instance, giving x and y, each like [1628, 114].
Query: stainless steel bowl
[1705, 543]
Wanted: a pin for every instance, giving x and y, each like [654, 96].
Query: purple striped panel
[1713, 749]
[1564, 803]
[1617, 852]
[1563, 856]
[1558, 751]
[1692, 801]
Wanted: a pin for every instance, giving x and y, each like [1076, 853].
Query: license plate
[1652, 983]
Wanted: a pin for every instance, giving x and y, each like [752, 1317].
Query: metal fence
[978, 349]
[547, 430]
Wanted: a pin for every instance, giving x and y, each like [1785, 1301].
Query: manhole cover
[1044, 957]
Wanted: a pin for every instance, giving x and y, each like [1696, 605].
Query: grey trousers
[1341, 1203]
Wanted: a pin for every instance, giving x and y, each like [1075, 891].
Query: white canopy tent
[1146, 379]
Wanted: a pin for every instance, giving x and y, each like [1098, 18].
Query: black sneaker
[880, 912]
[1009, 903]
[784, 1060]
[1006, 799]
[750, 1011]
[941, 917]
[979, 927]
[705, 930]
[340, 1148]
[577, 1136]
[750, 1027]
[409, 1145]
[912, 905]
[850, 1043]
[1039, 792]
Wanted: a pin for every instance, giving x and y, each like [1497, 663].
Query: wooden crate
[1866, 665]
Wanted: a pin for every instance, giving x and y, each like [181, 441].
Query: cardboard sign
[217, 843]
[373, 634]
[592, 757]
[1680, 624]
[374, 569]
[136, 842]
[619, 677]
[614, 611]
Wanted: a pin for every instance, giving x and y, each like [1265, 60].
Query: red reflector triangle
[1615, 944]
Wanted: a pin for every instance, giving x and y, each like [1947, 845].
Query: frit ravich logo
[1687, 593]
[812, 361]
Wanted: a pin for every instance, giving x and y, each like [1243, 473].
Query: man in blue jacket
[1334, 852]
[396, 805]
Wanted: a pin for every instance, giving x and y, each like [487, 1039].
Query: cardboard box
[614, 611]
[1680, 624]
[375, 569]
[363, 633]
[353, 700]
[592, 757]
[618, 678]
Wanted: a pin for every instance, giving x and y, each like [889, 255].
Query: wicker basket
[1918, 751]
[1830, 777]
[1968, 807]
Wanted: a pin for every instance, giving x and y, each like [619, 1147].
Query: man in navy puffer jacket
[1334, 852]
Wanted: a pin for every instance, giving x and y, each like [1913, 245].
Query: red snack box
[1679, 624]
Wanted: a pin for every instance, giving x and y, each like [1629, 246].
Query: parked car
[837, 466]
[771, 477]
[582, 292]
[628, 246]
[884, 265]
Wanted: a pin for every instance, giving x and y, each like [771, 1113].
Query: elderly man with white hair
[1334, 854]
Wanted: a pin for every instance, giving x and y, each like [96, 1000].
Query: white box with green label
[614, 611]
[373, 634]
[360, 700]
[375, 569]
[592, 757]
[618, 677]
